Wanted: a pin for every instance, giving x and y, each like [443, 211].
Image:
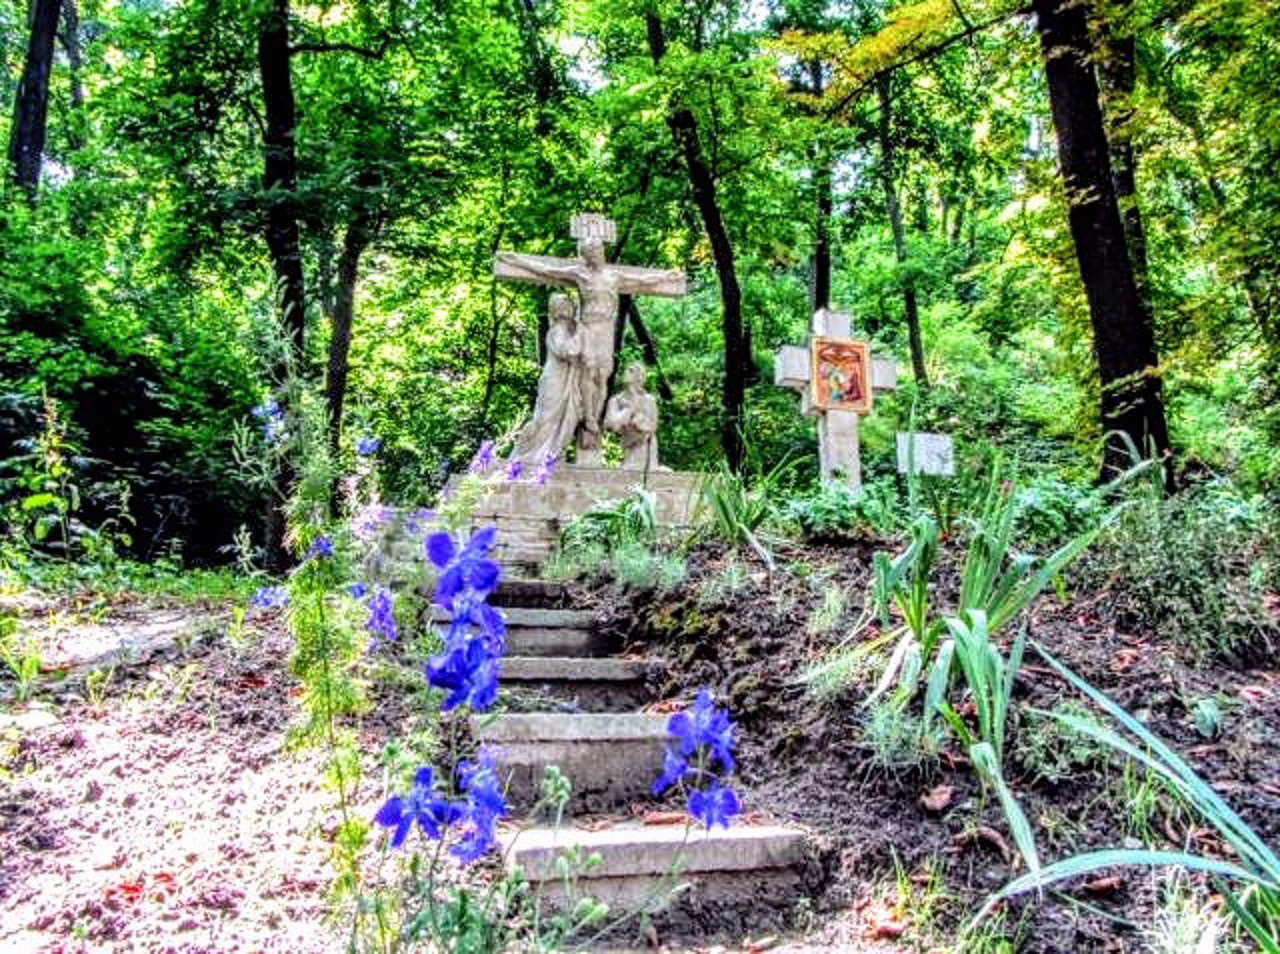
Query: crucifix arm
[518, 267]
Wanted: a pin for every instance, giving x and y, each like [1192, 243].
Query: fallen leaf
[1124, 659]
[761, 944]
[1104, 885]
[887, 928]
[937, 798]
[1254, 694]
[664, 818]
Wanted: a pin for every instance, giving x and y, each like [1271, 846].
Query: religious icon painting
[841, 378]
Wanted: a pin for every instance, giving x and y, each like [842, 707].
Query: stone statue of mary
[559, 407]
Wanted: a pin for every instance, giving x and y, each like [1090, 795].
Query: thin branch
[376, 53]
[925, 54]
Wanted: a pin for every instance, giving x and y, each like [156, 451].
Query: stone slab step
[514, 593]
[611, 758]
[739, 877]
[550, 641]
[539, 617]
[575, 683]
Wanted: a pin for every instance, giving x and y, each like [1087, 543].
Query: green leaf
[36, 501]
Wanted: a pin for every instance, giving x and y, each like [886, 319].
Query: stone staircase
[573, 702]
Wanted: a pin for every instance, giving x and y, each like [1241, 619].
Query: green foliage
[21, 656]
[620, 541]
[1051, 751]
[833, 511]
[1193, 567]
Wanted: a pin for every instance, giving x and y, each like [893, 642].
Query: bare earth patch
[169, 817]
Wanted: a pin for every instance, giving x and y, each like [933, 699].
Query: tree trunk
[1123, 340]
[910, 306]
[358, 236]
[279, 182]
[684, 130]
[31, 106]
[821, 265]
[280, 173]
[75, 60]
[650, 349]
[1119, 77]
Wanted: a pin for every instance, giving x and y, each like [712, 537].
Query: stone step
[575, 683]
[558, 641]
[740, 878]
[533, 616]
[517, 593]
[611, 759]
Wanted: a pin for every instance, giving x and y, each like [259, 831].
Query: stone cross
[837, 426]
[599, 284]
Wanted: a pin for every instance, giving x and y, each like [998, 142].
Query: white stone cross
[837, 427]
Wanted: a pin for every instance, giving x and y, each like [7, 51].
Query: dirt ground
[169, 816]
[808, 764]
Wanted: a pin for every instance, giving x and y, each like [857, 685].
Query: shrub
[1193, 567]
[836, 512]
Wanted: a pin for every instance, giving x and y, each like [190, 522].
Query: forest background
[205, 199]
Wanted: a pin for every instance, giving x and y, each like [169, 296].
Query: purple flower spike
[483, 460]
[544, 472]
[514, 469]
[368, 446]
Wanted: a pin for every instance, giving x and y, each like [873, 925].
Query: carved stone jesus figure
[632, 414]
[559, 405]
[598, 284]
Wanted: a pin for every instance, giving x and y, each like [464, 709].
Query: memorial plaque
[929, 454]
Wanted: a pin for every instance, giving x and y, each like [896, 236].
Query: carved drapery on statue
[558, 410]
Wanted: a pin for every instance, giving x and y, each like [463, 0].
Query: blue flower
[514, 469]
[469, 570]
[483, 460]
[481, 615]
[716, 805]
[322, 546]
[705, 726]
[358, 590]
[382, 617]
[270, 597]
[272, 418]
[431, 813]
[367, 446]
[484, 806]
[674, 768]
[469, 673]
[544, 472]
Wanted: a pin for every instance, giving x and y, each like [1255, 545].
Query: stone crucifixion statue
[598, 284]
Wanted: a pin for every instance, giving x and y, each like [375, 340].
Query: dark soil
[808, 763]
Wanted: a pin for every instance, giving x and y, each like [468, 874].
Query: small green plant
[826, 616]
[1207, 715]
[835, 511]
[730, 579]
[1052, 752]
[1138, 792]
[1186, 922]
[22, 658]
[897, 740]
[736, 510]
[96, 683]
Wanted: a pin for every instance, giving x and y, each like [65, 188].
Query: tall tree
[893, 208]
[1123, 338]
[280, 171]
[684, 130]
[31, 106]
[279, 183]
